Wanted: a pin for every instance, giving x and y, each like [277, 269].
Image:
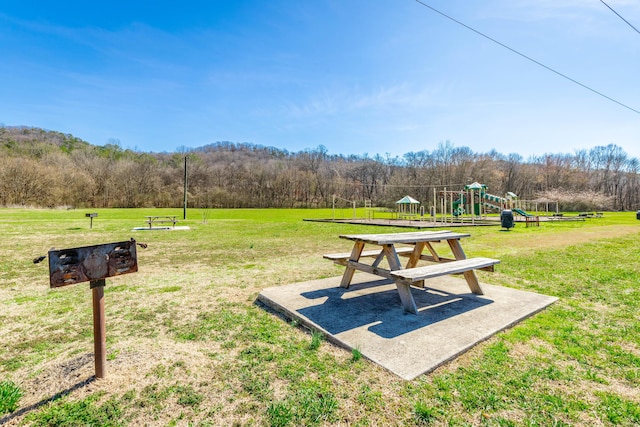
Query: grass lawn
[188, 346]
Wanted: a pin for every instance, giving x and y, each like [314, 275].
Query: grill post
[99, 329]
[91, 216]
[94, 264]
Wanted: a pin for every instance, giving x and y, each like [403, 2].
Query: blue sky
[374, 77]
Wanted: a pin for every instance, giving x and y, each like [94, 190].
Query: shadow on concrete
[362, 304]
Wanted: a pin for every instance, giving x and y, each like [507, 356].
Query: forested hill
[50, 169]
[32, 141]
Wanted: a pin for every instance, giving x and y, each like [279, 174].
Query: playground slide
[457, 208]
[521, 212]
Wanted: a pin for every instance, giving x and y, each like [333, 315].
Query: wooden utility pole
[184, 210]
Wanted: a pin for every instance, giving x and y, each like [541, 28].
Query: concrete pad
[369, 317]
[177, 227]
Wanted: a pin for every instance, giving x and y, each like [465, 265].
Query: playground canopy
[407, 206]
[475, 186]
[407, 200]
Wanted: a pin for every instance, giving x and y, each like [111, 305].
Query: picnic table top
[409, 238]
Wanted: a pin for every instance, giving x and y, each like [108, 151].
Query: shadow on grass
[53, 398]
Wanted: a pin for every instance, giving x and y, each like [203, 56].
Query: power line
[620, 16]
[527, 57]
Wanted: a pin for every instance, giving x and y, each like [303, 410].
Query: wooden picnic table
[161, 219]
[412, 245]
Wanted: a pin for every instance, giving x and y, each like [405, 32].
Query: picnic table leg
[348, 272]
[378, 259]
[392, 257]
[434, 254]
[470, 275]
[415, 255]
[404, 290]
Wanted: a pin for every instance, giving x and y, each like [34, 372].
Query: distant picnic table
[161, 219]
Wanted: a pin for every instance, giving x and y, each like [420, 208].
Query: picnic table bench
[417, 275]
[410, 274]
[342, 258]
[161, 219]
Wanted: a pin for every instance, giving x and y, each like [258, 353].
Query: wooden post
[435, 205]
[99, 330]
[473, 206]
[184, 208]
[444, 205]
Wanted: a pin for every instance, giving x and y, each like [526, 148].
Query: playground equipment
[470, 203]
[476, 198]
[407, 207]
[474, 202]
[521, 212]
[333, 205]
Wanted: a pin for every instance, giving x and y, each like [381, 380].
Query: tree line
[51, 169]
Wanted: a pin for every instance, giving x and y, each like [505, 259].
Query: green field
[188, 345]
